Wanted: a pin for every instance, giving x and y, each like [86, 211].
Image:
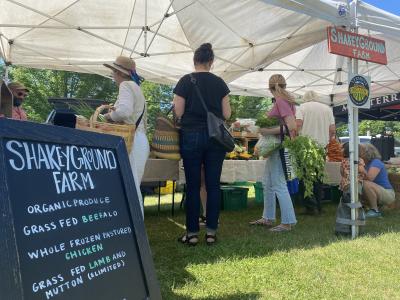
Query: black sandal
[213, 238]
[189, 240]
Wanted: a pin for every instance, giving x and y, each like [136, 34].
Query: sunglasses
[22, 94]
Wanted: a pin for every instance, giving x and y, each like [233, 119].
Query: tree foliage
[249, 107]
[371, 127]
[159, 101]
[44, 84]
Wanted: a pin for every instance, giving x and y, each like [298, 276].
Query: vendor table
[159, 170]
[253, 170]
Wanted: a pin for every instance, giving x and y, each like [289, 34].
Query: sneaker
[372, 213]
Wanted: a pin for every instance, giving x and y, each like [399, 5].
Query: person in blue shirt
[377, 190]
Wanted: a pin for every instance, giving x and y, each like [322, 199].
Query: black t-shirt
[212, 88]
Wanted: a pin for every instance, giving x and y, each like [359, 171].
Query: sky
[392, 6]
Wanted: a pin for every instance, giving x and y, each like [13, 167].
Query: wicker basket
[395, 182]
[165, 142]
[125, 131]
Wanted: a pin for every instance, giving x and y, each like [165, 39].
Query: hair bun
[206, 46]
[203, 54]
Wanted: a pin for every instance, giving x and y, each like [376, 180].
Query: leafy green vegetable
[308, 160]
[83, 109]
[264, 122]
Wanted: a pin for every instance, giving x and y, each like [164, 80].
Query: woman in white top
[128, 108]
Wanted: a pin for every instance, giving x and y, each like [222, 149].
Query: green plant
[83, 109]
[264, 122]
[308, 160]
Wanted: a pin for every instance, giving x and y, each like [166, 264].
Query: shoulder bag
[284, 152]
[217, 130]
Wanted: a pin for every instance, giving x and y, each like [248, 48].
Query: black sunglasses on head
[20, 94]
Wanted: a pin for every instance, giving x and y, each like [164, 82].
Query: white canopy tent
[314, 68]
[252, 39]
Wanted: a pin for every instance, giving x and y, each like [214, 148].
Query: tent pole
[353, 129]
[356, 154]
[352, 142]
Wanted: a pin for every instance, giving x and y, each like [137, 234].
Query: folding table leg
[159, 196]
[173, 197]
[183, 196]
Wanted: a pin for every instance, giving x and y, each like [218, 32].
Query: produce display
[308, 160]
[334, 151]
[239, 153]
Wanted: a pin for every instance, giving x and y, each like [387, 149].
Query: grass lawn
[309, 262]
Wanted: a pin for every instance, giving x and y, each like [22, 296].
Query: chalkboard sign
[71, 225]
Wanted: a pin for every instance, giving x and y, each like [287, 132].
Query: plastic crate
[335, 194]
[234, 198]
[259, 190]
[167, 189]
[242, 183]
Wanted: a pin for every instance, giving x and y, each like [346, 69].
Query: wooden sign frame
[6, 100]
[355, 45]
[11, 287]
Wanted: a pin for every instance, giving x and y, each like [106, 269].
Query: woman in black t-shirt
[196, 147]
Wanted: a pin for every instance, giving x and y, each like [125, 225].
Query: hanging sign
[358, 46]
[359, 91]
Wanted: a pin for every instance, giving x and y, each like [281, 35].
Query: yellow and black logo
[359, 90]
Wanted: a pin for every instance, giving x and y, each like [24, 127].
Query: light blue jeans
[275, 186]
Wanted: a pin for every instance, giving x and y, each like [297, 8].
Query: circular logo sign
[359, 90]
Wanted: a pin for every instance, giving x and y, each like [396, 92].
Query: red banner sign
[357, 46]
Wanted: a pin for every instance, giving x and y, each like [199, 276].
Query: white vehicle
[364, 139]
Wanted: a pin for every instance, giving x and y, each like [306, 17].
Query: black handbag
[217, 130]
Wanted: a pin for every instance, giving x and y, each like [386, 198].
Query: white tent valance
[252, 39]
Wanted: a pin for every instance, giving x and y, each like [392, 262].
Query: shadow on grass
[238, 240]
[237, 296]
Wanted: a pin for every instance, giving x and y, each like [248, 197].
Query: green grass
[309, 262]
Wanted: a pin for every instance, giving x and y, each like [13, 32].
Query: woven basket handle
[98, 110]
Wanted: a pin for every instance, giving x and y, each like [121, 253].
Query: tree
[249, 107]
[371, 127]
[159, 101]
[44, 84]
[1, 68]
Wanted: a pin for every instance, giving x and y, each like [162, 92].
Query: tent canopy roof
[384, 108]
[252, 39]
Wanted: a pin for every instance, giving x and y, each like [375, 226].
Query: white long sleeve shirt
[129, 105]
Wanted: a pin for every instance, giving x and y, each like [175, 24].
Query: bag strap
[171, 109]
[282, 151]
[196, 87]
[141, 116]
[282, 134]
